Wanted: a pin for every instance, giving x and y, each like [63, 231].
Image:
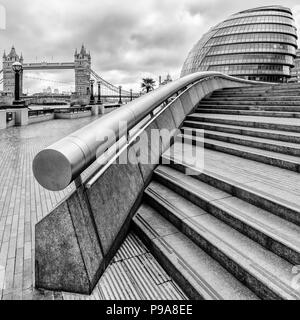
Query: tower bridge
[82, 65]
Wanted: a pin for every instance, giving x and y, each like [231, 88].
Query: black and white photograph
[149, 152]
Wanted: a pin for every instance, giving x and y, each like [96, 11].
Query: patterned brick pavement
[23, 202]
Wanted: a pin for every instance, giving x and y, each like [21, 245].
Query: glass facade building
[296, 69]
[256, 44]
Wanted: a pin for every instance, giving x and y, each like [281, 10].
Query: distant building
[82, 71]
[8, 73]
[166, 81]
[49, 90]
[255, 44]
[56, 91]
[295, 73]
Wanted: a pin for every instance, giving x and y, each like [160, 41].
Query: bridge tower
[8, 73]
[82, 71]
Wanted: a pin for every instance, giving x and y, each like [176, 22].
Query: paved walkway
[23, 202]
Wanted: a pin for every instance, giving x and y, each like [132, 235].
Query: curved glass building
[256, 44]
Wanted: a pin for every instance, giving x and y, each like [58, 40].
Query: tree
[148, 84]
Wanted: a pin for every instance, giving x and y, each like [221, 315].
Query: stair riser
[253, 198]
[253, 144]
[248, 89]
[295, 87]
[250, 113]
[245, 132]
[250, 108]
[233, 267]
[255, 94]
[257, 98]
[236, 95]
[251, 102]
[251, 156]
[217, 211]
[261, 125]
[247, 155]
[164, 258]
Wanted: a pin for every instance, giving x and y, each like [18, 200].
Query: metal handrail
[60, 164]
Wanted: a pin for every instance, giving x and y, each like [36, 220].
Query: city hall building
[296, 70]
[256, 44]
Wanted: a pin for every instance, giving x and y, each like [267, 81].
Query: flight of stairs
[231, 230]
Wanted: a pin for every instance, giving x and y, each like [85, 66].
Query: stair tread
[273, 120]
[264, 265]
[247, 138]
[206, 274]
[262, 220]
[242, 107]
[281, 93]
[286, 133]
[255, 113]
[253, 102]
[279, 185]
[259, 96]
[241, 148]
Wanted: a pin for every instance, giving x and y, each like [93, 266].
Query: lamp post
[92, 99]
[99, 93]
[120, 95]
[17, 68]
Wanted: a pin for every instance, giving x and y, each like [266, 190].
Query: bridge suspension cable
[48, 80]
[108, 85]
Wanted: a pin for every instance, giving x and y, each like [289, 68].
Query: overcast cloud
[128, 39]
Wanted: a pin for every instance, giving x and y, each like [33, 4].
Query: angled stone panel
[87, 236]
[112, 198]
[59, 263]
[194, 96]
[200, 90]
[186, 102]
[166, 122]
[147, 150]
[178, 112]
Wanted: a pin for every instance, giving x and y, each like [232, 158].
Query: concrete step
[250, 102]
[295, 86]
[260, 143]
[252, 99]
[270, 231]
[272, 158]
[286, 136]
[271, 123]
[266, 274]
[270, 93]
[253, 182]
[250, 107]
[255, 113]
[248, 88]
[276, 87]
[200, 276]
[284, 91]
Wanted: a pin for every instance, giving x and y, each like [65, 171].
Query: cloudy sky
[128, 39]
